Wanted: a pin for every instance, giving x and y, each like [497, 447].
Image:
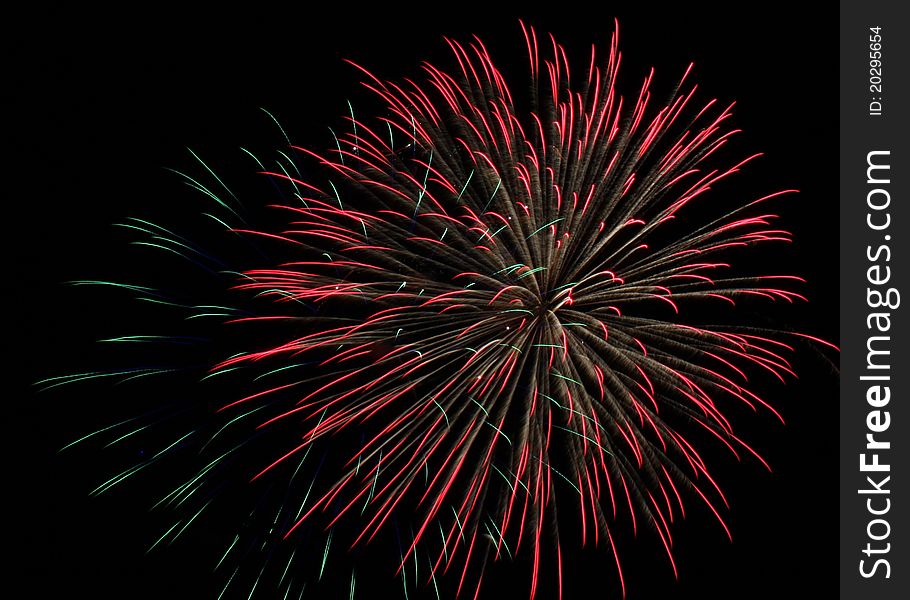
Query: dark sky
[103, 104]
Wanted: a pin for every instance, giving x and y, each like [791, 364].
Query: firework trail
[491, 314]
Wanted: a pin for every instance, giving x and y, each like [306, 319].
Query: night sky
[101, 109]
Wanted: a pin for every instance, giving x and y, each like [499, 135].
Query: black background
[102, 103]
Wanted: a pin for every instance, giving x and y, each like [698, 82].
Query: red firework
[501, 309]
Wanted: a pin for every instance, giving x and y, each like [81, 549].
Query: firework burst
[492, 313]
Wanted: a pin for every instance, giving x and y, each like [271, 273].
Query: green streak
[337, 196]
[458, 522]
[227, 308]
[443, 412]
[68, 379]
[353, 120]
[226, 552]
[542, 227]
[212, 173]
[435, 586]
[137, 338]
[564, 377]
[180, 489]
[509, 482]
[375, 480]
[286, 138]
[220, 222]
[160, 247]
[163, 302]
[289, 176]
[278, 370]
[126, 435]
[510, 268]
[574, 487]
[414, 554]
[426, 178]
[572, 431]
[503, 475]
[94, 433]
[307, 495]
[256, 583]
[290, 161]
[498, 185]
[152, 547]
[221, 372]
[325, 554]
[188, 523]
[181, 244]
[442, 535]
[230, 579]
[498, 535]
[134, 227]
[461, 193]
[531, 272]
[201, 188]
[495, 233]
[154, 226]
[258, 162]
[225, 426]
[126, 286]
[500, 431]
[134, 469]
[404, 578]
[480, 405]
[288, 566]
